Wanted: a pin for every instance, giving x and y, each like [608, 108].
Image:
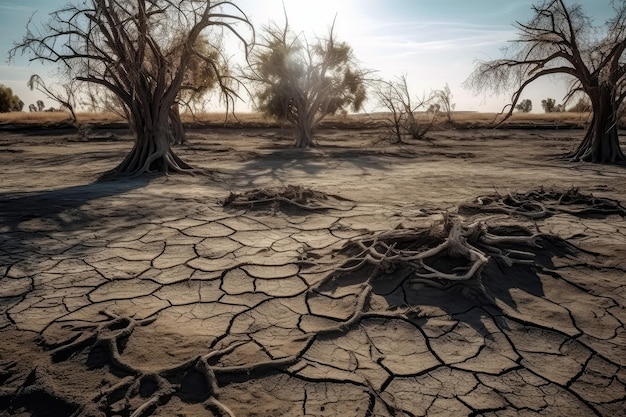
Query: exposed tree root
[289, 197]
[601, 141]
[539, 203]
[151, 159]
[452, 254]
[139, 393]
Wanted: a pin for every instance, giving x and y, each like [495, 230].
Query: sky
[431, 42]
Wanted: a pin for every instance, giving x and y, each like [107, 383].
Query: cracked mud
[141, 297]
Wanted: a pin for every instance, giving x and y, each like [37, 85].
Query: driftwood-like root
[289, 197]
[140, 393]
[454, 254]
[539, 203]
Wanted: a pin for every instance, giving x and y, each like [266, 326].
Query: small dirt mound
[291, 197]
[540, 203]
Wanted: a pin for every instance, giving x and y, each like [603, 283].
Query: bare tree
[561, 39]
[64, 94]
[444, 99]
[126, 47]
[394, 97]
[302, 83]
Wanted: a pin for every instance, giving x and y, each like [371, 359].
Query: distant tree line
[10, 102]
[583, 105]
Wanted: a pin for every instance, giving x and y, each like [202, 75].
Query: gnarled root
[456, 253]
[109, 334]
[139, 393]
[539, 203]
[294, 197]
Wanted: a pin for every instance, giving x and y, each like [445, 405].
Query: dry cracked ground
[150, 297]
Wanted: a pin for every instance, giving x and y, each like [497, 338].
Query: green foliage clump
[8, 101]
[525, 106]
[301, 83]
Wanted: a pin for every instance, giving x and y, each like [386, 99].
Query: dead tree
[126, 48]
[395, 98]
[64, 94]
[444, 100]
[561, 39]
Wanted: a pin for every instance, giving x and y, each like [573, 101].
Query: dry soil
[147, 296]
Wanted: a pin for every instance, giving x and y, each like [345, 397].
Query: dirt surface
[148, 296]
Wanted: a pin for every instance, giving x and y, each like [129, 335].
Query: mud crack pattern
[154, 311]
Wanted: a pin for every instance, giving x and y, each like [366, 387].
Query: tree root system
[291, 197]
[140, 392]
[540, 203]
[471, 255]
[449, 254]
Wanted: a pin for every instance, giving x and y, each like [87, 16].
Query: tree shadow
[279, 163]
[60, 208]
[501, 280]
[464, 301]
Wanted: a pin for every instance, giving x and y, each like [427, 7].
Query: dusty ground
[146, 296]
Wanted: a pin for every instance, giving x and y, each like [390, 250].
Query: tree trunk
[151, 153]
[177, 130]
[304, 130]
[601, 141]
[70, 108]
[304, 137]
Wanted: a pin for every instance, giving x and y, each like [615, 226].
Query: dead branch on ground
[539, 203]
[289, 197]
[140, 392]
[455, 253]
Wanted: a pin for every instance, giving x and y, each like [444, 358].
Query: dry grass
[55, 118]
[565, 117]
[469, 119]
[354, 121]
[221, 118]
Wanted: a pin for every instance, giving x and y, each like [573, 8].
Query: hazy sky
[433, 42]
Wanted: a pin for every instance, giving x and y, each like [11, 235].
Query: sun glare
[309, 17]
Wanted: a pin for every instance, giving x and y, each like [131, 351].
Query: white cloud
[13, 8]
[463, 41]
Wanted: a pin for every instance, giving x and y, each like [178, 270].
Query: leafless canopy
[562, 39]
[64, 94]
[140, 51]
[400, 109]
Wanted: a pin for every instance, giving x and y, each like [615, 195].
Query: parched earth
[149, 296]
